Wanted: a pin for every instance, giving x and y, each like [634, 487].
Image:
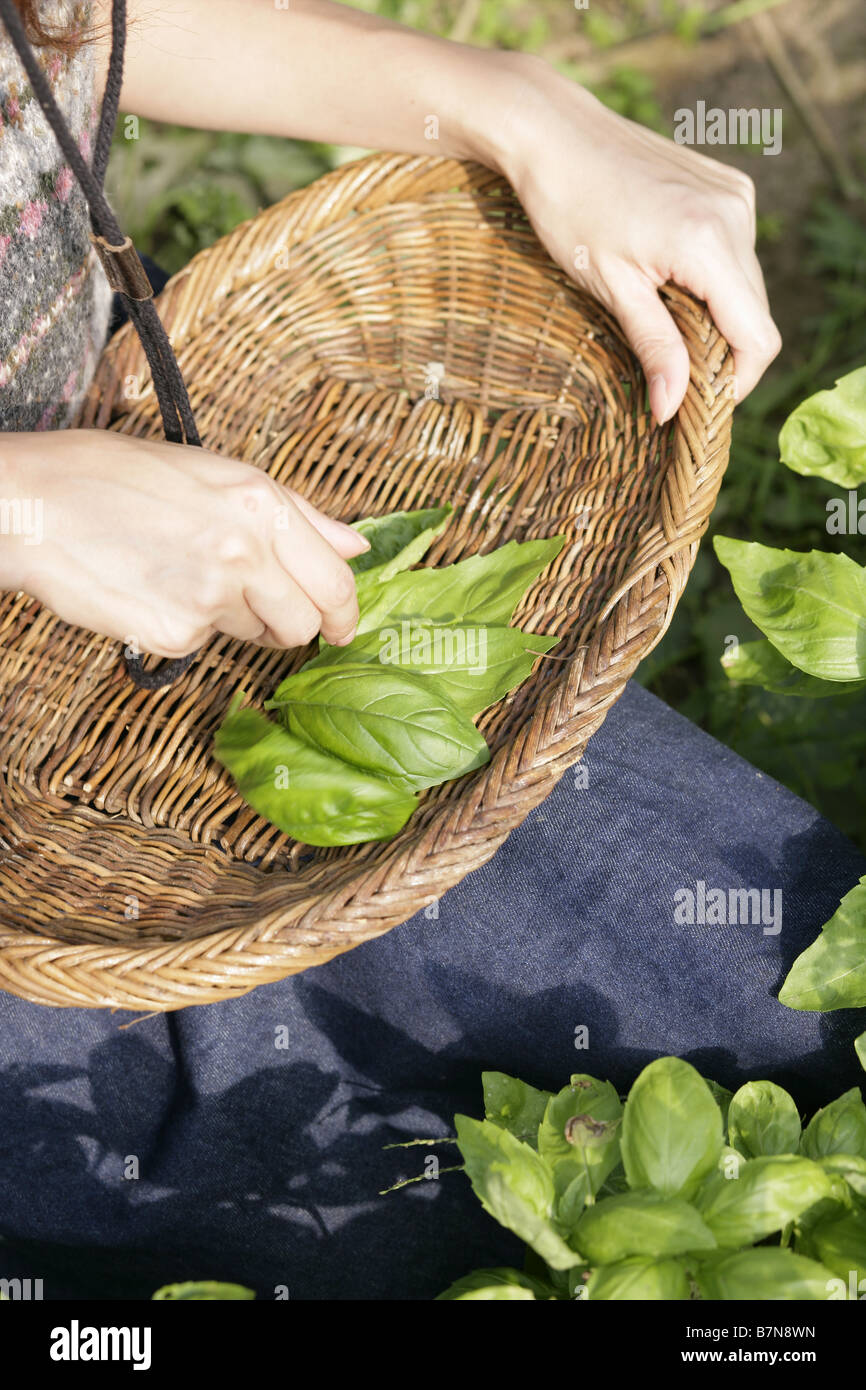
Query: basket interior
[389, 360]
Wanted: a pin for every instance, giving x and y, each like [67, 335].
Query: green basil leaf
[840, 1128]
[639, 1278]
[723, 1097]
[763, 1119]
[400, 539]
[514, 1185]
[474, 666]
[671, 1129]
[513, 1105]
[579, 1137]
[768, 1193]
[758, 663]
[482, 589]
[493, 1284]
[497, 1293]
[206, 1291]
[825, 437]
[860, 1049]
[831, 973]
[766, 1275]
[840, 1244]
[640, 1223]
[812, 606]
[304, 792]
[850, 1167]
[383, 719]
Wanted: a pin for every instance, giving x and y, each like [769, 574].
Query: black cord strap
[124, 271]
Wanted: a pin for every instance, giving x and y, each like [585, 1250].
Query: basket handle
[120, 261]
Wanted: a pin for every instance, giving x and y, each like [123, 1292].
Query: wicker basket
[390, 337]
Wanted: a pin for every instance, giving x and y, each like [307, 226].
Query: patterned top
[54, 299]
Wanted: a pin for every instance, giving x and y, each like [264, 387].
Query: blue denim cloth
[263, 1164]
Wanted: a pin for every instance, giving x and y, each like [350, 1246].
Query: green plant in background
[681, 1191]
[811, 609]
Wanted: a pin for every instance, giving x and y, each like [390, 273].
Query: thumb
[347, 542]
[656, 342]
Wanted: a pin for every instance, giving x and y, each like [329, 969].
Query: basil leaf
[763, 1119]
[490, 1284]
[513, 1105]
[812, 606]
[474, 666]
[860, 1049]
[383, 719]
[758, 663]
[579, 1137]
[768, 1193]
[766, 1275]
[514, 1185]
[840, 1128]
[826, 434]
[205, 1291]
[482, 589]
[831, 973]
[400, 539]
[722, 1096]
[851, 1167]
[304, 792]
[641, 1223]
[671, 1129]
[497, 1293]
[639, 1278]
[840, 1244]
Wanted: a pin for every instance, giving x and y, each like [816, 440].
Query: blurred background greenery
[178, 190]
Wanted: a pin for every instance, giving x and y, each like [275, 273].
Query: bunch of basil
[364, 728]
[685, 1191]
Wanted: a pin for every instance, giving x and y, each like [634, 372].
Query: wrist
[525, 100]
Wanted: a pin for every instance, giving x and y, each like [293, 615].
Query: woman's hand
[160, 545]
[624, 210]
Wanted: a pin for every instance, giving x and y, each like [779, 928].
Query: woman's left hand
[624, 210]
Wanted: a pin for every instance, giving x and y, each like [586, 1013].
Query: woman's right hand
[160, 545]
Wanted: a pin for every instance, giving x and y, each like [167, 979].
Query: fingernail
[345, 641]
[361, 541]
[659, 398]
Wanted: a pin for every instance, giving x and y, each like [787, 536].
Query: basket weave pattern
[391, 337]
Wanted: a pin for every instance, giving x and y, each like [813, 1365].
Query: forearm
[321, 71]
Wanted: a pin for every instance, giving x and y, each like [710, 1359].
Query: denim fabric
[263, 1164]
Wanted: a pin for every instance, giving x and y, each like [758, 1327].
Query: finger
[655, 340]
[345, 539]
[240, 622]
[287, 616]
[740, 312]
[320, 572]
